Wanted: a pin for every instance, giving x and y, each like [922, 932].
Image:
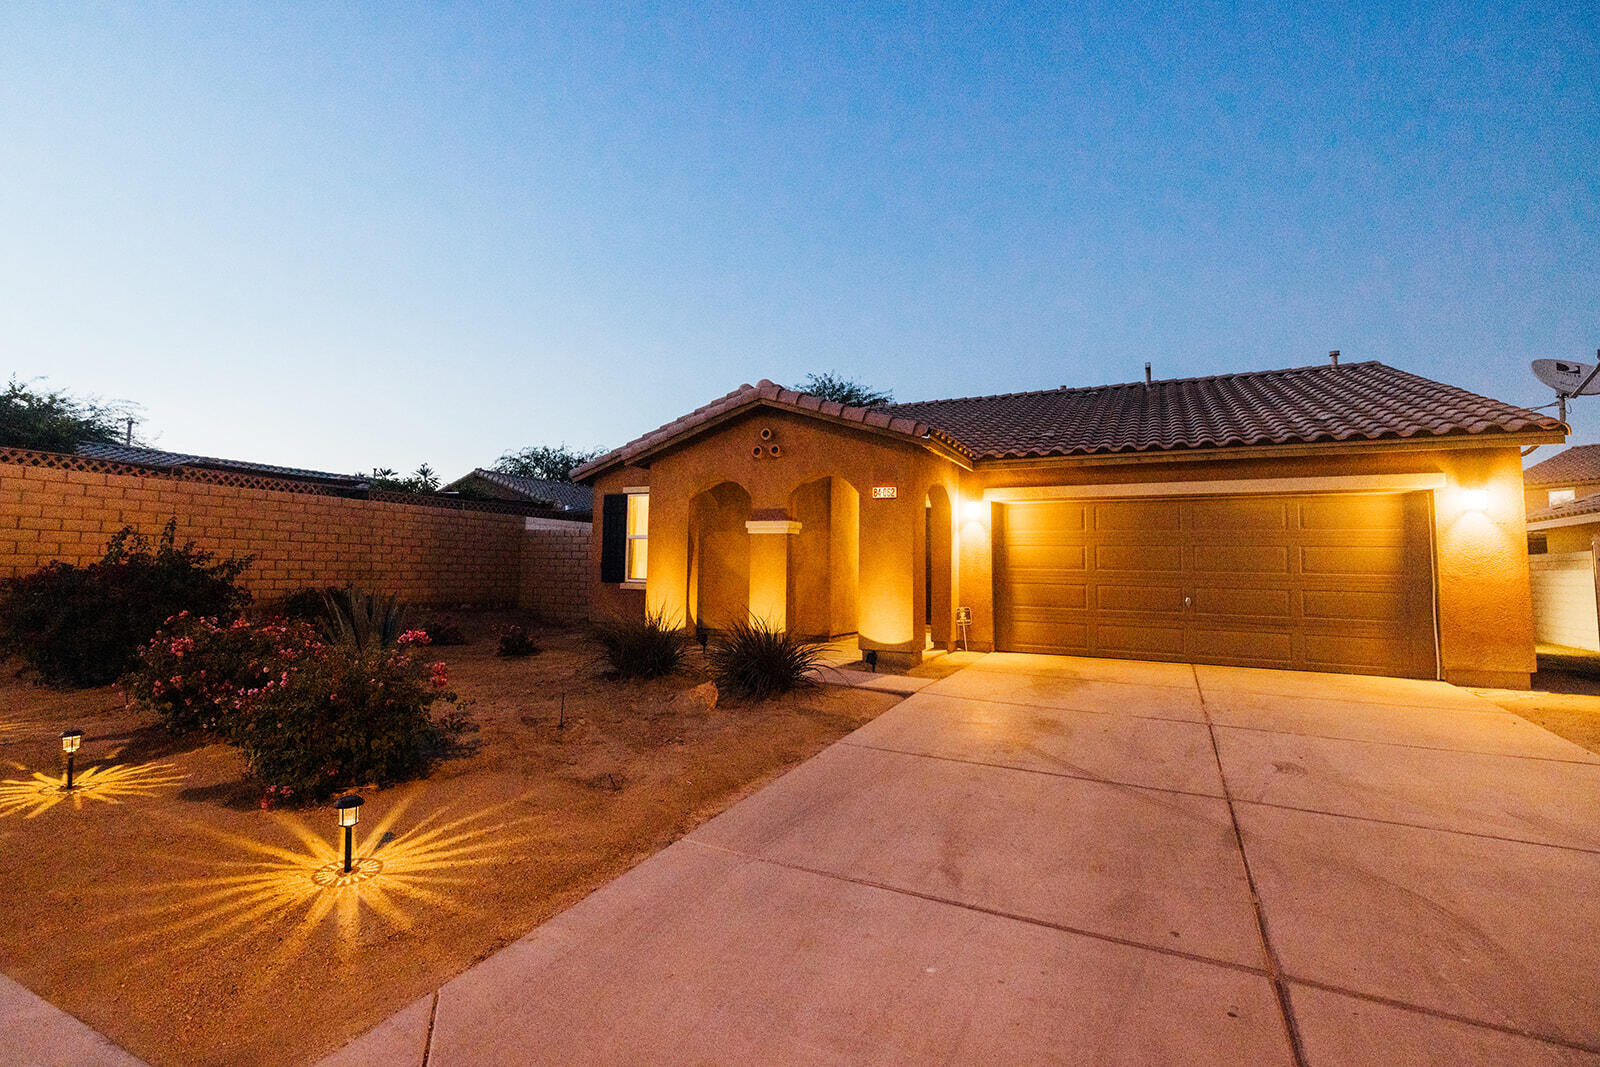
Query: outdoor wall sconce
[1475, 500]
[974, 511]
[349, 808]
[71, 740]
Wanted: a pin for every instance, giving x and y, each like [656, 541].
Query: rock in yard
[701, 698]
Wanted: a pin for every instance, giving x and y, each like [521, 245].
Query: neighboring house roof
[1352, 402]
[1578, 464]
[1585, 508]
[563, 495]
[154, 457]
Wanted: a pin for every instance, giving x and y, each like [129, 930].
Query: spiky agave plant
[365, 620]
[756, 659]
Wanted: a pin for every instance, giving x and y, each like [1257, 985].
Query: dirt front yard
[163, 906]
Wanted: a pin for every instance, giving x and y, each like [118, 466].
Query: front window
[1562, 496]
[638, 535]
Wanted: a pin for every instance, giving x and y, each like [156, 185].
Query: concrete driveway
[1051, 860]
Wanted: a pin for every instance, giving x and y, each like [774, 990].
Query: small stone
[701, 698]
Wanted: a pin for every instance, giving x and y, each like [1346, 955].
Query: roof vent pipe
[1147, 374]
[1333, 357]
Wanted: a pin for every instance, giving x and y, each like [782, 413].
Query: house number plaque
[885, 492]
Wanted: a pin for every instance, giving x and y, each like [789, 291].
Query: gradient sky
[345, 236]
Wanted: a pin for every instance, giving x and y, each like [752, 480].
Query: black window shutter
[614, 538]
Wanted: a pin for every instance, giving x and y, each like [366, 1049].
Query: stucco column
[769, 570]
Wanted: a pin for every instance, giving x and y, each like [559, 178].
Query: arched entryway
[719, 557]
[824, 559]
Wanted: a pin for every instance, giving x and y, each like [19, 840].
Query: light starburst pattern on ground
[396, 878]
[111, 783]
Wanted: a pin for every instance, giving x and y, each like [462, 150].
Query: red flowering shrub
[342, 717]
[199, 675]
[310, 718]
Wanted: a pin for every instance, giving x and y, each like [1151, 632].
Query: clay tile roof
[1578, 464]
[155, 457]
[562, 495]
[1572, 509]
[1351, 402]
[769, 393]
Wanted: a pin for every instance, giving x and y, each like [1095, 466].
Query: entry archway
[719, 555]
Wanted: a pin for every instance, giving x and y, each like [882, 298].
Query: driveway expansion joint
[1584, 849]
[1098, 780]
[1448, 1016]
[1274, 969]
[1420, 748]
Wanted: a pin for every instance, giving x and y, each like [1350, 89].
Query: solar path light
[349, 808]
[70, 741]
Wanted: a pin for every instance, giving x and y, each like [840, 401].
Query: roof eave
[1443, 442]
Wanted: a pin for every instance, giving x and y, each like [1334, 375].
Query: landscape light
[70, 742]
[349, 809]
[870, 658]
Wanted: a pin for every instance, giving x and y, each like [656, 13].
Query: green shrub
[443, 630]
[310, 718]
[83, 626]
[308, 605]
[514, 641]
[755, 660]
[341, 717]
[365, 620]
[197, 675]
[641, 648]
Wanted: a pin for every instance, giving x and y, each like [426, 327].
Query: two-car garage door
[1328, 582]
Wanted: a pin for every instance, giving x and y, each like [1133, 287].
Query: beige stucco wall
[1481, 565]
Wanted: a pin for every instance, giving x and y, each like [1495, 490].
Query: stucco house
[1352, 518]
[1562, 495]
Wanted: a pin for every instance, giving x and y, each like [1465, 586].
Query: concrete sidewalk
[1077, 861]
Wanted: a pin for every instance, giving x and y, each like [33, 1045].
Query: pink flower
[415, 637]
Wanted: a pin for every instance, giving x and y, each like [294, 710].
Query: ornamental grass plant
[755, 659]
[650, 647]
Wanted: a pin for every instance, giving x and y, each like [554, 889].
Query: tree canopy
[55, 421]
[841, 390]
[389, 480]
[551, 463]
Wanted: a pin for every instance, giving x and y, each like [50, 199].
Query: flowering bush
[340, 717]
[310, 717]
[199, 675]
[82, 626]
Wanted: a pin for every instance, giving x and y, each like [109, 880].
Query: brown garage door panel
[1134, 640]
[1161, 599]
[1137, 516]
[1275, 604]
[1354, 559]
[1350, 604]
[1241, 559]
[1335, 582]
[1258, 646]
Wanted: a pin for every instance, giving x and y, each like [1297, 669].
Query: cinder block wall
[423, 554]
[555, 570]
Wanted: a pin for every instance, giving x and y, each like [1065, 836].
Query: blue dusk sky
[355, 235]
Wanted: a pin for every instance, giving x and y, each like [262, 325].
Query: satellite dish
[1566, 377]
